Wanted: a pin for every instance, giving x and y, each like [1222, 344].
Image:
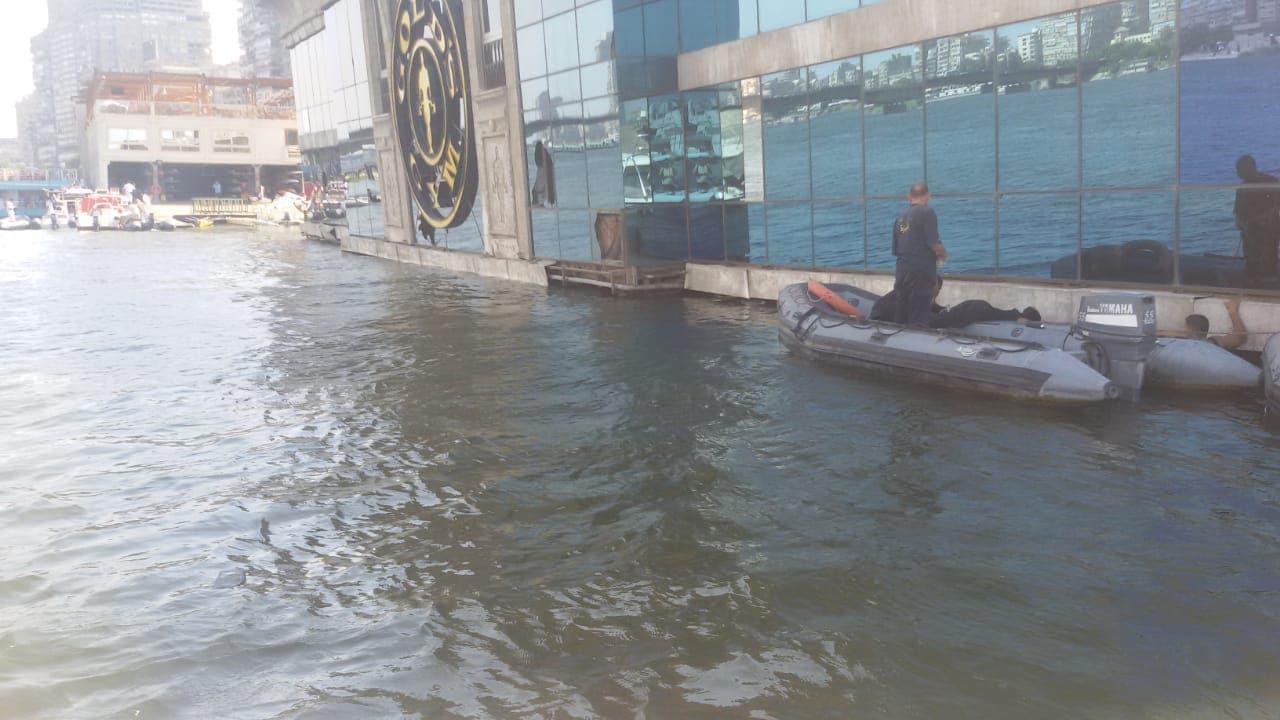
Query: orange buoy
[831, 298]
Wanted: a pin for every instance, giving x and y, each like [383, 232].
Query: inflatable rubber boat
[1271, 374]
[1009, 367]
[1174, 363]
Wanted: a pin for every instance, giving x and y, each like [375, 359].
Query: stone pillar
[397, 203]
[257, 180]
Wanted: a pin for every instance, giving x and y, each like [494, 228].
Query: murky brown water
[457, 498]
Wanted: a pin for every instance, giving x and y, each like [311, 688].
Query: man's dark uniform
[1257, 214]
[915, 232]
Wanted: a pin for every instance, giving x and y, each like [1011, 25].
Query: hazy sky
[28, 17]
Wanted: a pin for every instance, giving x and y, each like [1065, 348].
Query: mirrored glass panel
[1213, 247]
[666, 149]
[1128, 237]
[1039, 104]
[1130, 95]
[1230, 68]
[732, 143]
[576, 240]
[881, 215]
[703, 146]
[661, 28]
[786, 135]
[554, 7]
[568, 146]
[528, 11]
[637, 181]
[604, 156]
[534, 94]
[835, 128]
[960, 94]
[564, 87]
[657, 233]
[706, 232]
[790, 228]
[546, 233]
[838, 240]
[1039, 235]
[597, 80]
[822, 8]
[758, 250]
[776, 14]
[595, 32]
[967, 226]
[531, 51]
[752, 139]
[562, 51]
[893, 121]
[628, 32]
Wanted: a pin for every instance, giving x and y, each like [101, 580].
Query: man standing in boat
[919, 250]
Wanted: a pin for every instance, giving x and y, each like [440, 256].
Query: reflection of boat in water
[1148, 261]
[1010, 368]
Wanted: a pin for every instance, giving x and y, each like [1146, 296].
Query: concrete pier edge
[1057, 303]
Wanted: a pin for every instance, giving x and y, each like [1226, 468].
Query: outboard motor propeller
[1119, 330]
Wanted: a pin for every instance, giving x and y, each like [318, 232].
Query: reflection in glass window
[1039, 104]
[1230, 70]
[531, 52]
[1211, 244]
[1129, 98]
[604, 158]
[534, 94]
[703, 146]
[597, 80]
[595, 32]
[528, 11]
[786, 135]
[835, 128]
[628, 32]
[776, 14]
[657, 233]
[822, 8]
[790, 228]
[635, 132]
[732, 143]
[967, 226]
[568, 151]
[555, 7]
[576, 237]
[562, 51]
[758, 252]
[546, 233]
[881, 215]
[564, 87]
[698, 24]
[1128, 237]
[661, 28]
[838, 240]
[960, 73]
[706, 232]
[894, 120]
[1039, 235]
[666, 149]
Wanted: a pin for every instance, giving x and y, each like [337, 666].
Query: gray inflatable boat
[1271, 376]
[1174, 363]
[1010, 367]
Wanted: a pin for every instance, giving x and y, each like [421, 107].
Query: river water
[451, 497]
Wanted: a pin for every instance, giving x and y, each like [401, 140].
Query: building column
[257, 180]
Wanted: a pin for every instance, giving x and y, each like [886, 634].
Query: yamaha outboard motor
[1119, 330]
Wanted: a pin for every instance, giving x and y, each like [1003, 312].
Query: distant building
[263, 51]
[84, 36]
[187, 132]
[10, 152]
[1030, 48]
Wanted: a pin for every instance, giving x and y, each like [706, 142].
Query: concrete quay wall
[533, 272]
[1058, 304]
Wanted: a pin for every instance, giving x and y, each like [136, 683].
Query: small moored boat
[1008, 367]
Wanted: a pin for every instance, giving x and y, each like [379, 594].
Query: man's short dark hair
[1031, 314]
[1246, 166]
[1198, 324]
[919, 189]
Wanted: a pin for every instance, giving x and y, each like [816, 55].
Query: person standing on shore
[1257, 213]
[919, 250]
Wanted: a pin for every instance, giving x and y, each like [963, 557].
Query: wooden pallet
[619, 278]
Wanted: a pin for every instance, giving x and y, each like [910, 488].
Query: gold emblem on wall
[431, 91]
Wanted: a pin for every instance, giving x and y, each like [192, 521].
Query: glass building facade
[335, 115]
[1095, 145]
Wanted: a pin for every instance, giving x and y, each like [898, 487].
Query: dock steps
[619, 279]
